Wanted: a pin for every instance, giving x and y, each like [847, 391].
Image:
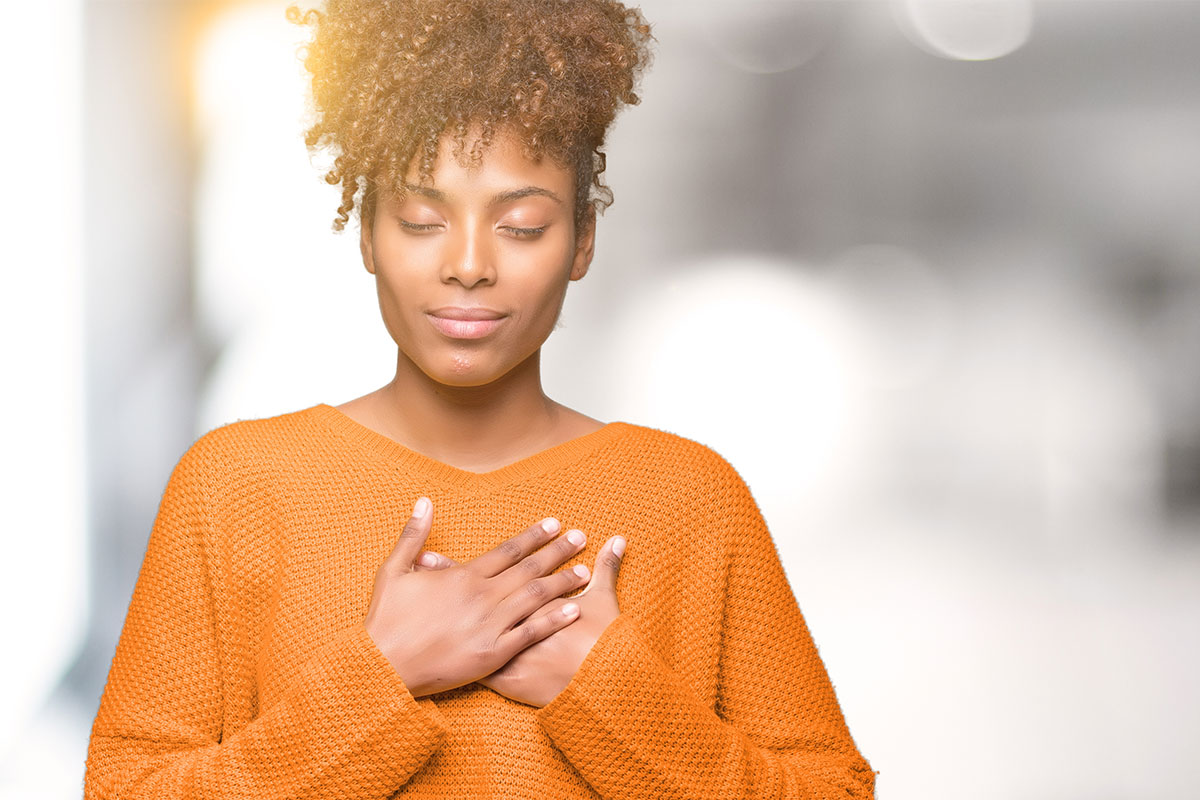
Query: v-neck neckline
[530, 466]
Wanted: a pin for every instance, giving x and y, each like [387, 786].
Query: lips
[465, 323]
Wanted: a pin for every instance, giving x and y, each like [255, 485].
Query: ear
[365, 244]
[585, 245]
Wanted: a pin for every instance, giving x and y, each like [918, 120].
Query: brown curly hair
[391, 77]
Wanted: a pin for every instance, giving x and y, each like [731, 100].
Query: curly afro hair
[391, 77]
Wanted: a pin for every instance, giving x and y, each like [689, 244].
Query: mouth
[465, 323]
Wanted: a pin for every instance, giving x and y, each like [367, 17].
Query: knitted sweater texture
[244, 669]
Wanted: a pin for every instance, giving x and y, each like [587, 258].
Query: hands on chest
[499, 619]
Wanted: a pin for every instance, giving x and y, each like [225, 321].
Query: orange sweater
[244, 669]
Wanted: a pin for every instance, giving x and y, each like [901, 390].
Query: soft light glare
[749, 356]
[903, 312]
[43, 588]
[275, 287]
[249, 108]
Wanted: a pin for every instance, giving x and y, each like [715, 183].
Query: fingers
[542, 562]
[431, 560]
[535, 594]
[412, 538]
[608, 566]
[537, 628]
[511, 551]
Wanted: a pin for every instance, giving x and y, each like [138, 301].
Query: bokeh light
[767, 36]
[751, 356]
[967, 30]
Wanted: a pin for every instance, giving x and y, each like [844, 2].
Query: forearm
[634, 729]
[347, 728]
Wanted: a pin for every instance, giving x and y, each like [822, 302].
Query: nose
[470, 259]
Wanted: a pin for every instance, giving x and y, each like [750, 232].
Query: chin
[467, 367]
[463, 371]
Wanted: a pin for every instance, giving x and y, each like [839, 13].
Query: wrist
[400, 663]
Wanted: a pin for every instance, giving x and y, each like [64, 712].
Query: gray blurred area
[1017, 241]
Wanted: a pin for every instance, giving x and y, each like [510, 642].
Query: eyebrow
[425, 191]
[503, 197]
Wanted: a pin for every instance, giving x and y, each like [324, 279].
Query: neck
[472, 427]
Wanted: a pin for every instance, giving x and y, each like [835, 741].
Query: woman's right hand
[448, 627]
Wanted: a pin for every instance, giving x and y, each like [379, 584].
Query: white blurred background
[926, 271]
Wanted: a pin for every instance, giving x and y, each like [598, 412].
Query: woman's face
[472, 267]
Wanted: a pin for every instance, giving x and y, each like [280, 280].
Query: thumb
[608, 565]
[412, 538]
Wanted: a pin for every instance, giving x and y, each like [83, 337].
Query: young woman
[380, 599]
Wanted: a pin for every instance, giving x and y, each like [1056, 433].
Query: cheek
[405, 260]
[397, 289]
[389, 309]
[545, 292]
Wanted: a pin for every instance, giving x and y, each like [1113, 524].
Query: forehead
[503, 166]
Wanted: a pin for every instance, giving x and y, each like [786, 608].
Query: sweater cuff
[591, 681]
[626, 719]
[356, 688]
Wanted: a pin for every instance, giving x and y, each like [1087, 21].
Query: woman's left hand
[538, 673]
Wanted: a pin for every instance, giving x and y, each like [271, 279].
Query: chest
[292, 582]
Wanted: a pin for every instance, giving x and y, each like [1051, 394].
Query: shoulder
[679, 458]
[254, 445]
[657, 440]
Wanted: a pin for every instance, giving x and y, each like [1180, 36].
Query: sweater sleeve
[634, 728]
[347, 727]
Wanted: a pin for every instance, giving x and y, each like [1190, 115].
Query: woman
[374, 599]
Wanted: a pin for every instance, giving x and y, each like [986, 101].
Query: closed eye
[526, 233]
[417, 227]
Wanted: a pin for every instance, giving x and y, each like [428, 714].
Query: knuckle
[485, 651]
[511, 549]
[532, 566]
[536, 589]
[611, 561]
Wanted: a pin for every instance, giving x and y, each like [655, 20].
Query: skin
[500, 235]
[475, 404]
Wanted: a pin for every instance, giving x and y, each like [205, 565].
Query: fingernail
[576, 538]
[570, 609]
[421, 508]
[550, 525]
[429, 560]
[618, 546]
[580, 570]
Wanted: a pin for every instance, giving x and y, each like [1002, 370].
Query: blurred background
[926, 271]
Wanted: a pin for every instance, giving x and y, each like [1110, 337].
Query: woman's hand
[442, 628]
[538, 673]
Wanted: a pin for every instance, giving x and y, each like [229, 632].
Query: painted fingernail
[576, 538]
[580, 570]
[421, 508]
[618, 546]
[550, 525]
[570, 609]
